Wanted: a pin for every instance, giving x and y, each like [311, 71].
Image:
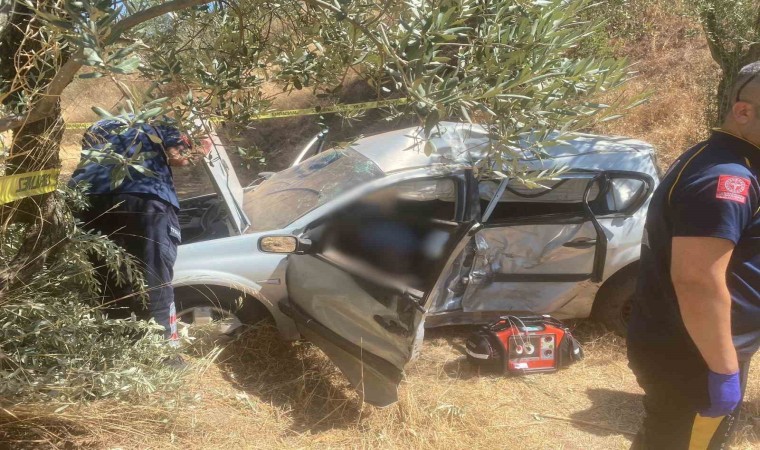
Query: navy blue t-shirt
[712, 190]
[126, 141]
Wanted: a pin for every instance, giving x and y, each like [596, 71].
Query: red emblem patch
[733, 188]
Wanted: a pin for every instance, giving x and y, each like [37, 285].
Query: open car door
[361, 286]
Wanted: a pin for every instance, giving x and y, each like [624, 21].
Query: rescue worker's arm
[710, 211]
[698, 271]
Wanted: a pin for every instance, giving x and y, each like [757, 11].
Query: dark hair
[747, 74]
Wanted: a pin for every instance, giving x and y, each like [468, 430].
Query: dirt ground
[263, 393]
[301, 401]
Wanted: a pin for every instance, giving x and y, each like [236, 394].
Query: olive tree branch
[46, 105]
[324, 5]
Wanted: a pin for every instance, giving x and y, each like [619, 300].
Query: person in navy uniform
[139, 213]
[695, 321]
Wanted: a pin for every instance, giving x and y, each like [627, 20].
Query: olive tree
[507, 65]
[732, 28]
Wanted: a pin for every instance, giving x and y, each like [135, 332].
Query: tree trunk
[35, 146]
[730, 55]
[724, 97]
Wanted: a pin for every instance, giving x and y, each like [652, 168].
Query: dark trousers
[148, 229]
[675, 388]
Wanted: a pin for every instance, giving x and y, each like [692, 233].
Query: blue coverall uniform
[710, 191]
[140, 215]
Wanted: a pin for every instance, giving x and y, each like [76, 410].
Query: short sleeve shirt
[150, 140]
[710, 191]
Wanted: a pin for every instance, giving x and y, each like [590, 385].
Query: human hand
[182, 155]
[725, 394]
[176, 158]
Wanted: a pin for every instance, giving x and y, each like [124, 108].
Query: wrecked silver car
[359, 249]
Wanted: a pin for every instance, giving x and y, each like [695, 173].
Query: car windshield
[290, 194]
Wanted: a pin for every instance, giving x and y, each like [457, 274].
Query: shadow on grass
[294, 376]
[621, 413]
[21, 431]
[612, 413]
[454, 338]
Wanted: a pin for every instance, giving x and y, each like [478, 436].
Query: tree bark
[65, 75]
[35, 146]
[730, 60]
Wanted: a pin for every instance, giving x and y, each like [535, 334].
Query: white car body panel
[237, 261]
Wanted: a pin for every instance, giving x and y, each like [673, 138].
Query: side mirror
[284, 244]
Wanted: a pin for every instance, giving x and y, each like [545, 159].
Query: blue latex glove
[725, 394]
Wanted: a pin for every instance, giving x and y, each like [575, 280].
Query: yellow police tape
[20, 185]
[349, 107]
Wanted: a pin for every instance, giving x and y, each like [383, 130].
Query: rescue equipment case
[523, 345]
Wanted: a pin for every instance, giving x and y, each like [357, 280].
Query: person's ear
[743, 112]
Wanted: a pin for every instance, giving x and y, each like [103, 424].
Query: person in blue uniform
[137, 211]
[695, 321]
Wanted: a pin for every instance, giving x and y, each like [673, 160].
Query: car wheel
[613, 303]
[229, 309]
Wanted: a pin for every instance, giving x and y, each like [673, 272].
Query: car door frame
[466, 218]
[461, 314]
[600, 243]
[604, 178]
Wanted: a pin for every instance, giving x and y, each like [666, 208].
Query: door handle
[580, 243]
[391, 325]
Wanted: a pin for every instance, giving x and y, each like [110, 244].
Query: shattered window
[290, 194]
[564, 196]
[624, 192]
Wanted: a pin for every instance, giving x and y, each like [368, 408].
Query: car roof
[461, 143]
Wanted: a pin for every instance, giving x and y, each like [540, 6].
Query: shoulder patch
[734, 188]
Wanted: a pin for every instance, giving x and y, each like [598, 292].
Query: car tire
[612, 305]
[219, 301]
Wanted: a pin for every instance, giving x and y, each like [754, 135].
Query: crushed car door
[537, 244]
[361, 289]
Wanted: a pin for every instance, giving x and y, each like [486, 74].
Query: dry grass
[264, 393]
[674, 64]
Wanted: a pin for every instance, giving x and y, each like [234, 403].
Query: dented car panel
[365, 286]
[387, 240]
